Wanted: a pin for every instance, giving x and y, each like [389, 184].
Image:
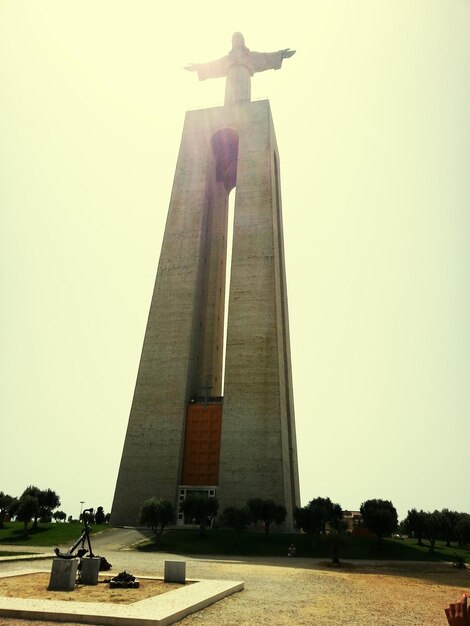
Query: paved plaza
[285, 591]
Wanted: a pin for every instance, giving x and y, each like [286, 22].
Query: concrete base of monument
[159, 610]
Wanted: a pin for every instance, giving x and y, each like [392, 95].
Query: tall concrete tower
[185, 432]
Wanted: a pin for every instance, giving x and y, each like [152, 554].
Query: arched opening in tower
[228, 271]
[216, 255]
[225, 148]
[224, 145]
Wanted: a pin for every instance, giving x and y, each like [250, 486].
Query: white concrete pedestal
[175, 572]
[63, 574]
[90, 570]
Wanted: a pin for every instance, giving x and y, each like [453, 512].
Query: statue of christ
[238, 66]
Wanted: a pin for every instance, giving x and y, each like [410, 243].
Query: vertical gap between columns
[228, 271]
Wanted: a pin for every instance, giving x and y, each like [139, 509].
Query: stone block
[175, 572]
[63, 574]
[90, 570]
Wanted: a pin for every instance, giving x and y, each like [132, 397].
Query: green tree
[99, 515]
[5, 502]
[414, 524]
[336, 539]
[236, 518]
[45, 516]
[27, 508]
[157, 515]
[462, 529]
[433, 528]
[266, 511]
[200, 508]
[300, 520]
[59, 516]
[319, 512]
[449, 520]
[380, 517]
[47, 499]
[33, 491]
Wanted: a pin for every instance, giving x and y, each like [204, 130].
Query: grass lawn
[220, 542]
[226, 542]
[46, 534]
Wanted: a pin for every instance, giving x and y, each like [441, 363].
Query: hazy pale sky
[372, 124]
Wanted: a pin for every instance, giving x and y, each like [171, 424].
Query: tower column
[253, 451]
[258, 450]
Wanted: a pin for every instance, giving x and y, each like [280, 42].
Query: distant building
[355, 524]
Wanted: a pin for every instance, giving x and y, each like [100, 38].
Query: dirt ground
[355, 595]
[298, 592]
[35, 586]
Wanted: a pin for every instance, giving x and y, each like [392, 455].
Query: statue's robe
[239, 66]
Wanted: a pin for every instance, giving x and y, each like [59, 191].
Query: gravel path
[282, 591]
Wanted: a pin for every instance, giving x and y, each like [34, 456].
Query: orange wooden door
[202, 444]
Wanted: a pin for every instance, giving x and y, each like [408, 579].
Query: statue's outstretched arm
[261, 61]
[212, 69]
[287, 53]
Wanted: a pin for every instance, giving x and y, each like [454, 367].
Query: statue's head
[238, 41]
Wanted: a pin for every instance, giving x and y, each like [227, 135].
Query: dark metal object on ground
[85, 536]
[124, 581]
[105, 565]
